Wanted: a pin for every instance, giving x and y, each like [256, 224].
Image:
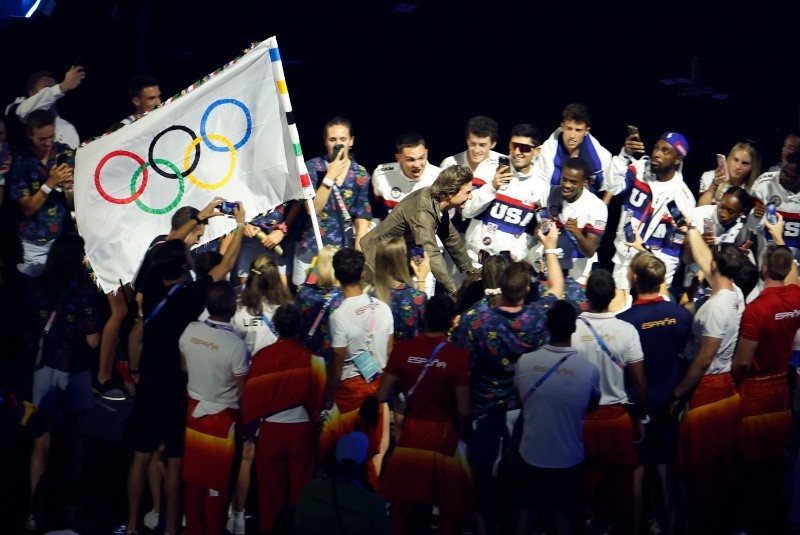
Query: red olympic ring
[100, 189]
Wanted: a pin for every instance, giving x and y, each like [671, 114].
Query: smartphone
[722, 165]
[4, 150]
[61, 159]
[708, 226]
[417, 252]
[630, 237]
[633, 131]
[676, 214]
[227, 207]
[336, 149]
[596, 266]
[507, 255]
[772, 213]
[543, 216]
[503, 161]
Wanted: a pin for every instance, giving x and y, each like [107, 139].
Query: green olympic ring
[174, 203]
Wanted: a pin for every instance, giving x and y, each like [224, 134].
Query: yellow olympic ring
[225, 141]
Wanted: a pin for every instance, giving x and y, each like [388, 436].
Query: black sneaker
[108, 391]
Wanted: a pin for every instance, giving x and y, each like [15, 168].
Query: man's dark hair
[221, 299]
[348, 265]
[579, 164]
[183, 215]
[561, 321]
[482, 126]
[439, 313]
[528, 130]
[205, 262]
[409, 140]
[729, 259]
[138, 83]
[742, 196]
[515, 281]
[746, 278]
[288, 321]
[169, 261]
[40, 118]
[337, 121]
[600, 289]
[450, 180]
[778, 260]
[576, 112]
[34, 78]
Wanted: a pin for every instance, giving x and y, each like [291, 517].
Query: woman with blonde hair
[393, 286]
[744, 166]
[317, 298]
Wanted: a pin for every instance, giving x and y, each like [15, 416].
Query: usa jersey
[592, 215]
[768, 189]
[390, 185]
[647, 198]
[499, 217]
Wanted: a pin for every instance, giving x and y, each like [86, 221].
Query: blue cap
[678, 142]
[352, 449]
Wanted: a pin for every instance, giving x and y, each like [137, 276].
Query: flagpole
[314, 223]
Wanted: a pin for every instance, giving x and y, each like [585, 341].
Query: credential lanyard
[223, 326]
[269, 324]
[544, 377]
[425, 368]
[163, 302]
[342, 205]
[615, 359]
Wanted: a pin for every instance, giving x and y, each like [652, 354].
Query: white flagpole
[314, 223]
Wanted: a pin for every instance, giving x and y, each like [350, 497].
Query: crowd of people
[454, 353]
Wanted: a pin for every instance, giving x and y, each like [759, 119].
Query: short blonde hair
[324, 266]
[650, 272]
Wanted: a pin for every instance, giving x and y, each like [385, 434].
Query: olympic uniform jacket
[499, 218]
[647, 199]
[390, 186]
[417, 219]
[553, 155]
[767, 189]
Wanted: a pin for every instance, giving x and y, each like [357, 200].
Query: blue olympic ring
[208, 111]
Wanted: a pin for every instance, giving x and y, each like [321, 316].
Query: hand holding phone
[676, 214]
[418, 253]
[772, 214]
[336, 150]
[722, 166]
[228, 207]
[503, 167]
[634, 143]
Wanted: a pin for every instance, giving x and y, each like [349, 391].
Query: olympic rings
[135, 194]
[208, 111]
[189, 169]
[227, 176]
[170, 206]
[190, 165]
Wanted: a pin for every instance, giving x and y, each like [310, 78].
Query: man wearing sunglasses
[572, 139]
[503, 206]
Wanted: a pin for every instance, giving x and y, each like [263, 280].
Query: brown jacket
[417, 219]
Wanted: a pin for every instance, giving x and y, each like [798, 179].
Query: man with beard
[652, 185]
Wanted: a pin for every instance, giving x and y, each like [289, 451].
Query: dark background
[432, 68]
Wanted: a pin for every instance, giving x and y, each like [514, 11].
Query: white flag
[231, 135]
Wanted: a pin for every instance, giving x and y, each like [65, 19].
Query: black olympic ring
[151, 160]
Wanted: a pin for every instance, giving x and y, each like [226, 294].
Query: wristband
[328, 182]
[44, 188]
[558, 252]
[240, 224]
[645, 420]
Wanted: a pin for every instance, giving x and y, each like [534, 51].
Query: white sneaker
[236, 523]
[151, 520]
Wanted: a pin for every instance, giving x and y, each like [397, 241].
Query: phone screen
[503, 161]
[676, 214]
[228, 207]
[336, 148]
[61, 159]
[629, 236]
[418, 251]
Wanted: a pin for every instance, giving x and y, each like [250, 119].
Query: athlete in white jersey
[652, 185]
[782, 189]
[391, 182]
[580, 215]
[501, 208]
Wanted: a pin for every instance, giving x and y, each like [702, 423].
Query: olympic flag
[231, 135]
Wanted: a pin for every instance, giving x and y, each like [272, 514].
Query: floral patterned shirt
[355, 194]
[495, 339]
[267, 221]
[26, 176]
[408, 306]
[76, 317]
[310, 299]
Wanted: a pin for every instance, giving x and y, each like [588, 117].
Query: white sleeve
[337, 329]
[481, 198]
[705, 181]
[634, 352]
[617, 172]
[716, 321]
[43, 100]
[447, 162]
[239, 364]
